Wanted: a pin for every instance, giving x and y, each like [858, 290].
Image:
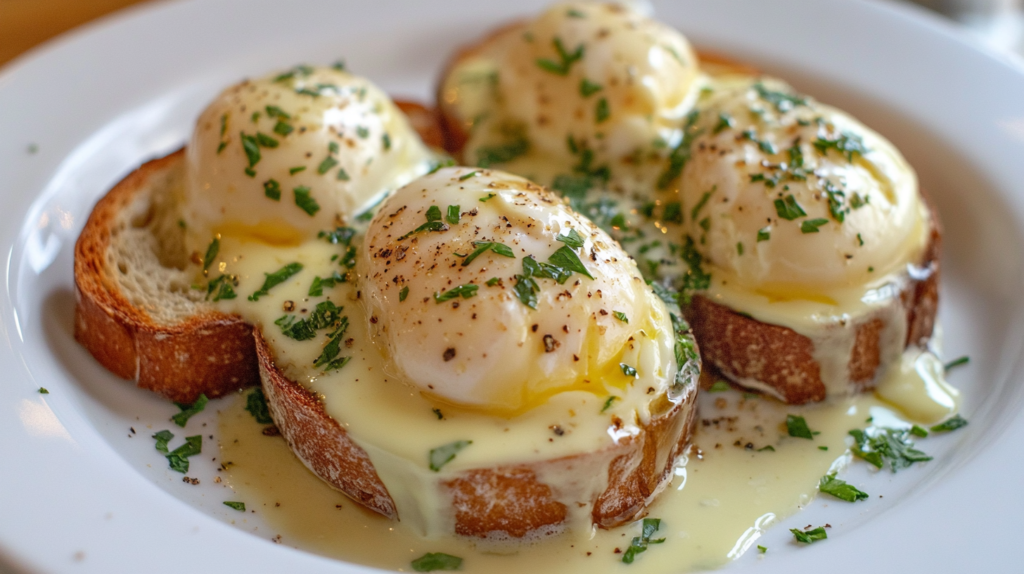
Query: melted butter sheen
[714, 510]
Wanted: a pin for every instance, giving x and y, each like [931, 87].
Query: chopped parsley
[432, 561]
[565, 258]
[326, 314]
[572, 239]
[621, 316]
[608, 403]
[239, 506]
[251, 148]
[797, 427]
[956, 363]
[719, 387]
[433, 223]
[256, 404]
[328, 359]
[187, 411]
[442, 455]
[566, 59]
[162, 438]
[438, 164]
[673, 212]
[326, 165]
[601, 111]
[272, 189]
[282, 128]
[316, 289]
[918, 430]
[362, 132]
[342, 174]
[487, 156]
[43, 391]
[847, 144]
[493, 281]
[526, 289]
[701, 203]
[809, 536]
[385, 142]
[588, 88]
[812, 225]
[627, 370]
[276, 112]
[305, 201]
[950, 425]
[468, 175]
[640, 543]
[276, 278]
[782, 101]
[681, 153]
[221, 288]
[725, 122]
[764, 234]
[840, 489]
[482, 246]
[296, 169]
[788, 209]
[465, 291]
[695, 279]
[886, 445]
[266, 141]
[342, 235]
[403, 293]
[211, 253]
[177, 459]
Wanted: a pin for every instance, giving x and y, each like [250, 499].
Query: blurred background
[26, 23]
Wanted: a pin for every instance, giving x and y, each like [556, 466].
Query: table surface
[25, 23]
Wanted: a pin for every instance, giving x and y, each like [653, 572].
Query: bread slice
[782, 362]
[508, 501]
[136, 311]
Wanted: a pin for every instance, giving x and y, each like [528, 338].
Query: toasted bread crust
[317, 439]
[505, 501]
[743, 348]
[211, 353]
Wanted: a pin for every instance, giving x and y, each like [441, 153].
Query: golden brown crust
[505, 501]
[211, 353]
[743, 348]
[425, 121]
[317, 439]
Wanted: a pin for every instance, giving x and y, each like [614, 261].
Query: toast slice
[502, 502]
[781, 362]
[136, 311]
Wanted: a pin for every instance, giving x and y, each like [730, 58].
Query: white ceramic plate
[77, 493]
